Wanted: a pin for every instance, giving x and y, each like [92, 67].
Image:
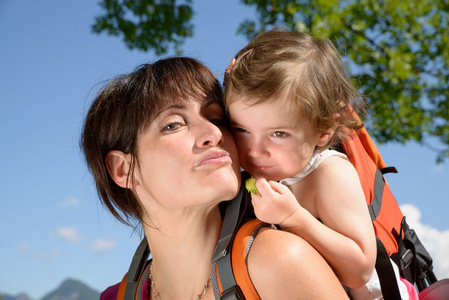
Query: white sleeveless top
[316, 159]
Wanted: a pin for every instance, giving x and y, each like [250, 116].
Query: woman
[157, 144]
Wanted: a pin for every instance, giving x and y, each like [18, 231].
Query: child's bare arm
[344, 235]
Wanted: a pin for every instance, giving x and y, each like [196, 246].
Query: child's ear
[118, 165]
[325, 137]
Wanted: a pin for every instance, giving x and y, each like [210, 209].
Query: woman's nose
[210, 134]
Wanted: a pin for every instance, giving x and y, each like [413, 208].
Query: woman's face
[187, 157]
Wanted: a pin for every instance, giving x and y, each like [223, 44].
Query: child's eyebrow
[233, 123]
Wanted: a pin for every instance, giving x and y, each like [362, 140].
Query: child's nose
[256, 148]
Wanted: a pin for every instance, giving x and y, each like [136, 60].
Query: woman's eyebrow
[170, 107]
[210, 102]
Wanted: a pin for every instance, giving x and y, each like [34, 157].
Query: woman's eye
[171, 126]
[218, 122]
[279, 134]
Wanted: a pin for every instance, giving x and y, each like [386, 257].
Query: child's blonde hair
[305, 72]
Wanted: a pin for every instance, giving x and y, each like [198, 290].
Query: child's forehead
[282, 102]
[264, 110]
[267, 117]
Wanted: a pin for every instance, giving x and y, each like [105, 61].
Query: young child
[289, 101]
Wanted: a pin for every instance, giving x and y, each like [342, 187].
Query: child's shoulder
[335, 165]
[333, 158]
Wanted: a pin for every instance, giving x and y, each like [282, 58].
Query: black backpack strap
[231, 291]
[136, 270]
[413, 259]
[231, 219]
[222, 255]
[389, 170]
[406, 255]
[385, 272]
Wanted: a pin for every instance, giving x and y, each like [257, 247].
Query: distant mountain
[21, 296]
[72, 290]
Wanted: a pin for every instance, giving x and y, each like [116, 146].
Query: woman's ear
[118, 164]
[325, 137]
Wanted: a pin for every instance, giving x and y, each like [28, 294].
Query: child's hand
[274, 203]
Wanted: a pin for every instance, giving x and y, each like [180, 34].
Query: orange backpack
[384, 210]
[395, 239]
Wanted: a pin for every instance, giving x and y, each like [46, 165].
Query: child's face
[273, 142]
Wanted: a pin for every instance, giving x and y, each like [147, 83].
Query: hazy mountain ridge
[70, 289]
[20, 296]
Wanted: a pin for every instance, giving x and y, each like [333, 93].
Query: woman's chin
[227, 186]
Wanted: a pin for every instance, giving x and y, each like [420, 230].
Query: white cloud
[69, 233]
[68, 202]
[435, 241]
[23, 248]
[48, 255]
[45, 255]
[438, 169]
[100, 245]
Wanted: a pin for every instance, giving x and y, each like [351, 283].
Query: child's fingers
[258, 205]
[264, 187]
[274, 203]
[279, 187]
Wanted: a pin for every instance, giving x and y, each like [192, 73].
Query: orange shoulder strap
[122, 288]
[240, 249]
[135, 288]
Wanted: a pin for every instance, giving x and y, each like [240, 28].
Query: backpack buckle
[233, 293]
[406, 259]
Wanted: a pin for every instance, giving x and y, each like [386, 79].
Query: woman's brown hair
[125, 107]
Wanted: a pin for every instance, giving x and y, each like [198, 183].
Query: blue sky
[52, 225]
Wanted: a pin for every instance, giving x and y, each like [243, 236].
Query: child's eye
[239, 129]
[279, 134]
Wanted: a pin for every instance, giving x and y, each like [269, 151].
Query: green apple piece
[250, 185]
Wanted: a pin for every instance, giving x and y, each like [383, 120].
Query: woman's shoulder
[271, 242]
[280, 260]
[260, 240]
